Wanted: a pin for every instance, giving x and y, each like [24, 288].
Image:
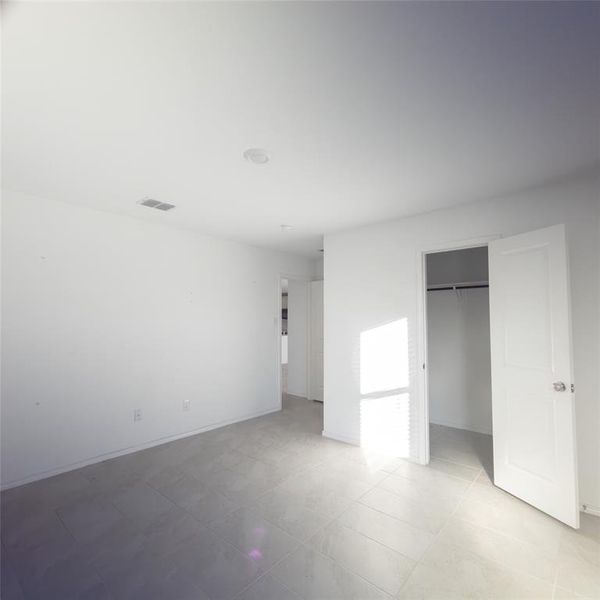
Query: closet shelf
[463, 285]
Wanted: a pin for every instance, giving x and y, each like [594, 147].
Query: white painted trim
[308, 335]
[132, 449]
[341, 438]
[309, 342]
[422, 357]
[422, 381]
[278, 336]
[590, 510]
[461, 426]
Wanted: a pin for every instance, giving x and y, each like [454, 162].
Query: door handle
[559, 386]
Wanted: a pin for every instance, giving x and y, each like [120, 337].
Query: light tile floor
[270, 510]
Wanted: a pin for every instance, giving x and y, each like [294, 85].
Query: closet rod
[459, 287]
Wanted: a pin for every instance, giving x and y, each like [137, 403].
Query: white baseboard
[462, 426]
[131, 450]
[591, 510]
[341, 438]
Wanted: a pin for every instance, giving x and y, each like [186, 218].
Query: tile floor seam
[300, 540]
[414, 502]
[412, 560]
[295, 549]
[347, 568]
[453, 477]
[220, 538]
[304, 543]
[506, 567]
[455, 462]
[87, 562]
[15, 578]
[268, 571]
[435, 538]
[383, 543]
[555, 586]
[163, 495]
[496, 562]
[264, 576]
[496, 531]
[344, 568]
[238, 551]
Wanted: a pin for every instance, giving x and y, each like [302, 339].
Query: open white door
[316, 341]
[532, 392]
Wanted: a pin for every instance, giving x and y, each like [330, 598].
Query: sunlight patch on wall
[385, 398]
[384, 357]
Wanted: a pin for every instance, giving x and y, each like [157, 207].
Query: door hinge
[572, 388]
[423, 366]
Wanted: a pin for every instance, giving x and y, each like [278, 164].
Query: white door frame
[309, 373]
[278, 382]
[422, 357]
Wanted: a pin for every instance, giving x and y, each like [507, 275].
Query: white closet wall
[459, 359]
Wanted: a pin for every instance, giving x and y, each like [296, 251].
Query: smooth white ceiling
[370, 111]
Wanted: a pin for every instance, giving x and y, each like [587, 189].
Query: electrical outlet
[137, 414]
[186, 404]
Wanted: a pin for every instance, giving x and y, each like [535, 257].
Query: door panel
[316, 341]
[533, 423]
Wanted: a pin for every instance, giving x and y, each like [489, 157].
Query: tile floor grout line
[464, 497]
[343, 567]
[263, 576]
[499, 563]
[435, 537]
[383, 543]
[241, 552]
[496, 531]
[305, 544]
[87, 562]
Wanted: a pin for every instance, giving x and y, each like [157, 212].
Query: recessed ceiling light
[287, 228]
[257, 156]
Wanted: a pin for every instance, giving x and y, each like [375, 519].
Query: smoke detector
[257, 156]
[150, 203]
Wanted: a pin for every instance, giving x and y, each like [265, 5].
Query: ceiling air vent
[156, 204]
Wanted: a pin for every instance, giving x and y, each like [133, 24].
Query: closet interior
[458, 348]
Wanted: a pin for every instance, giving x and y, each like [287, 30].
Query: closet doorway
[526, 348]
[458, 362]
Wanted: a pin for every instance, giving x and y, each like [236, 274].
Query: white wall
[297, 337]
[458, 349]
[371, 280]
[102, 314]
